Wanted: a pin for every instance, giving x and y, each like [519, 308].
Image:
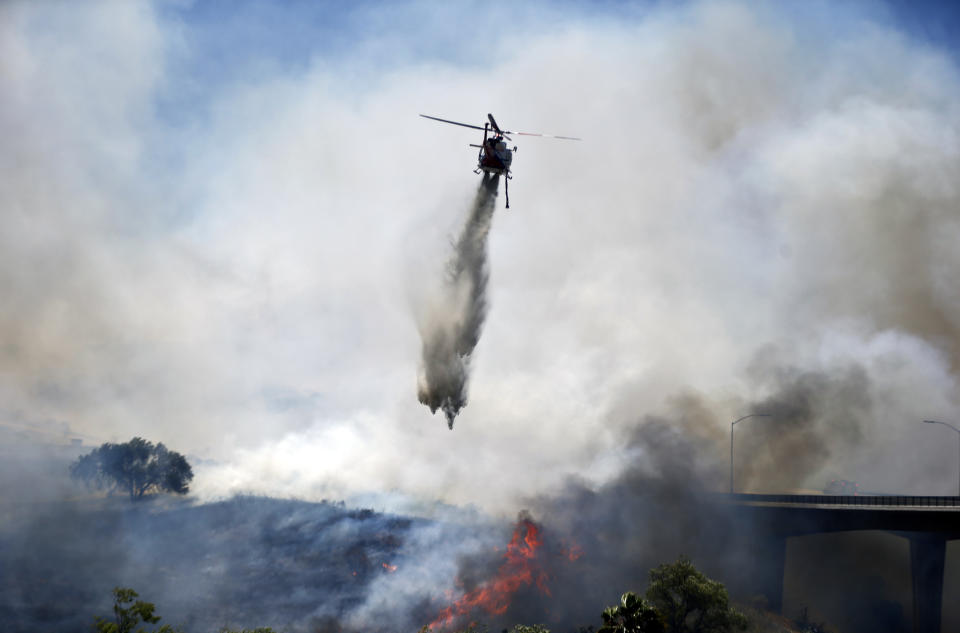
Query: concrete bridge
[928, 523]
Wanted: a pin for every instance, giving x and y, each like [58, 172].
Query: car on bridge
[842, 487]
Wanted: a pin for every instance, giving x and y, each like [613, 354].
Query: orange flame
[519, 569]
[389, 568]
[573, 551]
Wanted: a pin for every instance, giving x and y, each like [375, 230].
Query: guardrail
[850, 500]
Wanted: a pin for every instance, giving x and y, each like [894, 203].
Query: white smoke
[751, 175]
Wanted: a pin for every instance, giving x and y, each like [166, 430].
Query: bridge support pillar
[927, 554]
[768, 569]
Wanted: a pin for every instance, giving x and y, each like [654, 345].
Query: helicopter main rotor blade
[475, 127]
[496, 128]
[505, 132]
[565, 138]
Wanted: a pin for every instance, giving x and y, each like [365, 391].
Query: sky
[223, 222]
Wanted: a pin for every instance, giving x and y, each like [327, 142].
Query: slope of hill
[248, 561]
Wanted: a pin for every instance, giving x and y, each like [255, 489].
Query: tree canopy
[128, 612]
[689, 602]
[136, 467]
[680, 599]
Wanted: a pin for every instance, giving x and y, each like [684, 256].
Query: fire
[573, 551]
[390, 568]
[520, 568]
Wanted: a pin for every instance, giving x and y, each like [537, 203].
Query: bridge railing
[850, 500]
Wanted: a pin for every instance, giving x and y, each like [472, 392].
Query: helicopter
[495, 157]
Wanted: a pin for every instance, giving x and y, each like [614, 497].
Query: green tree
[136, 467]
[689, 602]
[128, 612]
[632, 615]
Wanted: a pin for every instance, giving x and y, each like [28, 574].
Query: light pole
[733, 424]
[958, 435]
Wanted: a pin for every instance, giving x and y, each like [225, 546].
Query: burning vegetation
[522, 566]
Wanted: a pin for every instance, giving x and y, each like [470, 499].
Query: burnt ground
[243, 562]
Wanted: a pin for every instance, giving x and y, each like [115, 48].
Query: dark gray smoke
[659, 507]
[452, 328]
[665, 503]
[816, 419]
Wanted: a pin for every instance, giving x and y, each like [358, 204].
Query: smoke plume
[664, 503]
[186, 254]
[452, 328]
[815, 417]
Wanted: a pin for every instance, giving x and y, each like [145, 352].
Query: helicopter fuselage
[495, 157]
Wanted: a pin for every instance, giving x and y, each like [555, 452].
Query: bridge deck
[873, 502]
